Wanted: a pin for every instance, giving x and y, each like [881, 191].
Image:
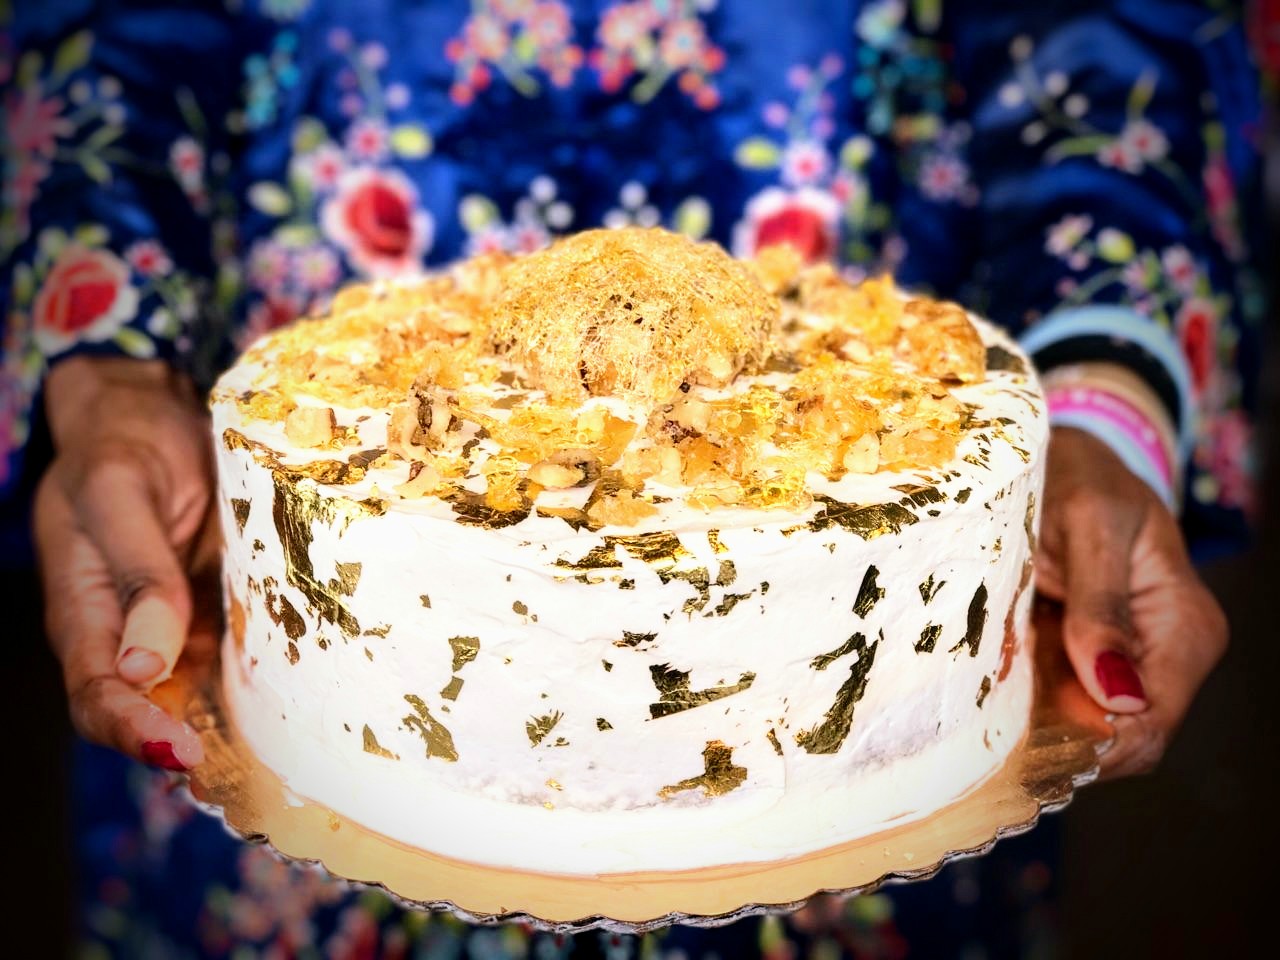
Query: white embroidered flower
[1065, 235]
[804, 162]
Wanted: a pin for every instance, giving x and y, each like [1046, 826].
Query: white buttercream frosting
[569, 744]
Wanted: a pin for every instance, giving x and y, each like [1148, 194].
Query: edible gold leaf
[976, 621]
[371, 745]
[719, 776]
[434, 734]
[829, 735]
[240, 509]
[869, 593]
[465, 650]
[675, 696]
[538, 727]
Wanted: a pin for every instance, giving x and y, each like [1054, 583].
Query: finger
[1098, 627]
[83, 622]
[1187, 634]
[118, 510]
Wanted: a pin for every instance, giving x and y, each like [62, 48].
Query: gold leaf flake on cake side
[867, 522]
[1001, 359]
[674, 695]
[294, 509]
[451, 689]
[983, 689]
[371, 745]
[824, 660]
[829, 735]
[929, 588]
[240, 509]
[719, 776]
[869, 593]
[348, 577]
[464, 649]
[772, 737]
[633, 640]
[434, 734]
[928, 637]
[976, 621]
[602, 724]
[537, 728]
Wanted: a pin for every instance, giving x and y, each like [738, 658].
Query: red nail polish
[159, 753]
[1117, 677]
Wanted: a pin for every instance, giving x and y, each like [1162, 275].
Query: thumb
[1098, 626]
[119, 515]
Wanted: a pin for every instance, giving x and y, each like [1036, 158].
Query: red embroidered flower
[149, 258]
[806, 219]
[1197, 324]
[373, 217]
[86, 296]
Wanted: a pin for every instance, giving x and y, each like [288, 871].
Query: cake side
[699, 687]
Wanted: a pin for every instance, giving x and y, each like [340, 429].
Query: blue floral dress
[180, 178]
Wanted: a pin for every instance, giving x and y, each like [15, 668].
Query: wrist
[1118, 409]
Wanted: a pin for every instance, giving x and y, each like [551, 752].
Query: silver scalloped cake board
[1060, 752]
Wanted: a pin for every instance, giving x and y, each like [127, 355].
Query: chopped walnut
[423, 479]
[863, 455]
[311, 426]
[565, 469]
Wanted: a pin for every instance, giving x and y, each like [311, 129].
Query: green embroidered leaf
[410, 141]
[90, 234]
[476, 212]
[928, 14]
[855, 152]
[71, 55]
[693, 218]
[308, 133]
[757, 153]
[270, 198]
[1140, 95]
[525, 47]
[29, 68]
[297, 235]
[134, 343]
[1115, 246]
[95, 168]
[102, 136]
[51, 241]
[24, 284]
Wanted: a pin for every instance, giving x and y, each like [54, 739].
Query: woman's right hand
[121, 519]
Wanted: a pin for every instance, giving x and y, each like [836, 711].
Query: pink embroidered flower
[1145, 139]
[1120, 155]
[186, 160]
[340, 39]
[682, 42]
[561, 64]
[149, 258]
[367, 140]
[374, 218]
[548, 25]
[373, 56]
[85, 296]
[325, 167]
[1224, 218]
[511, 10]
[492, 239]
[268, 265]
[1065, 235]
[486, 36]
[33, 124]
[1134, 276]
[943, 176]
[804, 162]
[1197, 327]
[528, 237]
[317, 269]
[776, 114]
[1231, 459]
[806, 219]
[627, 25]
[1180, 268]
[24, 185]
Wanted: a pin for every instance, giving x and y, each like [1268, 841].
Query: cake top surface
[620, 371]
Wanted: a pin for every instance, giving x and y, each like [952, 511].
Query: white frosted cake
[627, 556]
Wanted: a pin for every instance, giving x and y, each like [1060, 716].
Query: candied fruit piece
[940, 341]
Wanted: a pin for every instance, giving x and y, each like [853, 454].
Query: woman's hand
[120, 520]
[1141, 629]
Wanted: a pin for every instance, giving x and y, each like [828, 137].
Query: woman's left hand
[1140, 628]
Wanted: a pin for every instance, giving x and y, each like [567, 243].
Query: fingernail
[159, 753]
[138, 665]
[1117, 677]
